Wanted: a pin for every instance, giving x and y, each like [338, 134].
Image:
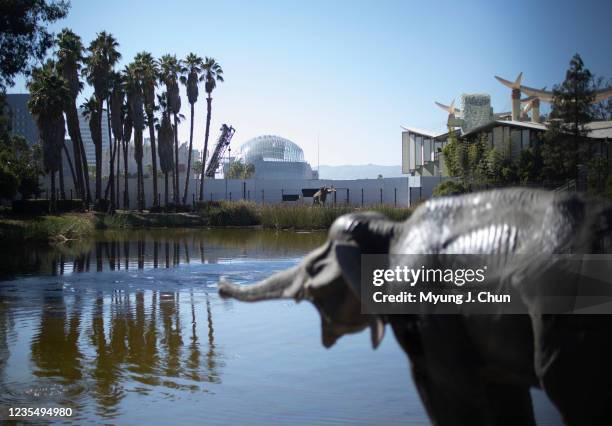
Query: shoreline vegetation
[67, 227]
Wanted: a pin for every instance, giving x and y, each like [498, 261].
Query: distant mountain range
[363, 171]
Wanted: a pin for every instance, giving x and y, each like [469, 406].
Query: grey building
[22, 122]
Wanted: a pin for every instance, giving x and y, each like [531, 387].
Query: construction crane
[224, 140]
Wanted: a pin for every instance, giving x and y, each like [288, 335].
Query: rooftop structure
[509, 132]
[476, 110]
[275, 157]
[271, 148]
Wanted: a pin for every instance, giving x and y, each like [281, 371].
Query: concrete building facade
[22, 122]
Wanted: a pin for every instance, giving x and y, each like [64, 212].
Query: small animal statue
[474, 369]
[320, 196]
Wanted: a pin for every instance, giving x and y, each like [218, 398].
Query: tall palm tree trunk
[99, 155]
[111, 178]
[74, 178]
[142, 193]
[166, 189]
[85, 168]
[176, 161]
[61, 178]
[111, 168]
[208, 112]
[173, 180]
[98, 172]
[153, 156]
[52, 206]
[138, 186]
[74, 131]
[126, 193]
[111, 164]
[118, 175]
[188, 172]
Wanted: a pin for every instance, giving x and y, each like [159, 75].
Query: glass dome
[271, 148]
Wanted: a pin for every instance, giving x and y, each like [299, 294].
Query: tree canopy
[24, 38]
[240, 170]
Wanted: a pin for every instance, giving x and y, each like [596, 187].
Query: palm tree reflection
[7, 325]
[103, 340]
[211, 355]
[105, 373]
[151, 351]
[54, 348]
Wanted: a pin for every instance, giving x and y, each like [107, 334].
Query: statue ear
[348, 256]
[357, 234]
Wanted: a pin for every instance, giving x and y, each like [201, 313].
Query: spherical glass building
[275, 157]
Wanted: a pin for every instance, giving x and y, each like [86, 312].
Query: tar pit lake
[128, 328]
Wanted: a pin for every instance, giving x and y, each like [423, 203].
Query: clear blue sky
[353, 71]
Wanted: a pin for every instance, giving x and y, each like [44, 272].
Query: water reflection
[114, 317]
[55, 350]
[114, 250]
[101, 349]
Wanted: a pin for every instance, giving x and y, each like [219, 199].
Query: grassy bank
[293, 216]
[221, 214]
[243, 213]
[46, 229]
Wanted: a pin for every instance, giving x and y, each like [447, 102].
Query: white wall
[394, 191]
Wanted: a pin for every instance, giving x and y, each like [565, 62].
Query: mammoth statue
[320, 196]
[471, 369]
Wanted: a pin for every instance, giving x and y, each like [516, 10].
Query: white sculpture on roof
[537, 95]
[450, 109]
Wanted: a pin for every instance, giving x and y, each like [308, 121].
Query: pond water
[128, 328]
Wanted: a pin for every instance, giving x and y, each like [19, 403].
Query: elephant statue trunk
[278, 286]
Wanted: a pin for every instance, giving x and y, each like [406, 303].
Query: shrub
[398, 214]
[31, 207]
[75, 205]
[448, 187]
[229, 213]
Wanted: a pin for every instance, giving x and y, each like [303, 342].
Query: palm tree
[148, 72]
[240, 170]
[165, 139]
[92, 115]
[170, 67]
[69, 59]
[190, 78]
[49, 95]
[127, 135]
[212, 73]
[116, 110]
[135, 97]
[103, 55]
